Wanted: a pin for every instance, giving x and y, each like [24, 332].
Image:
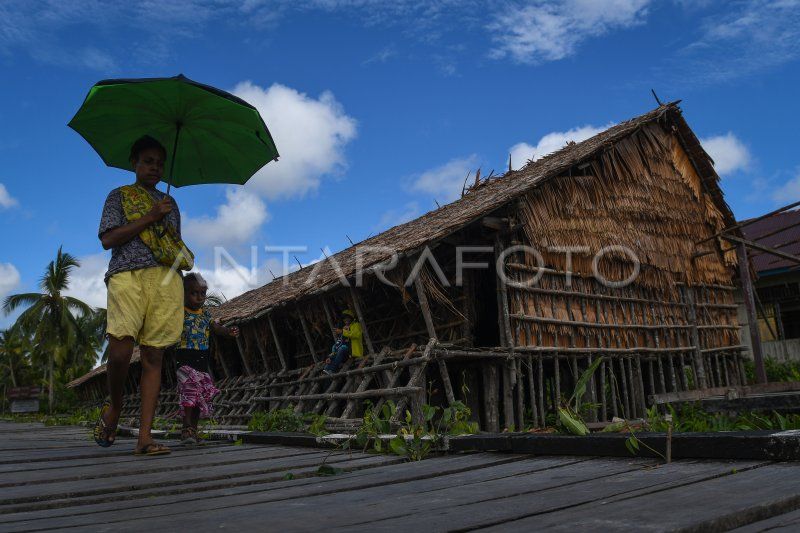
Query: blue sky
[378, 108]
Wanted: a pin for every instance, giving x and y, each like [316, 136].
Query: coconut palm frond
[74, 304]
[14, 301]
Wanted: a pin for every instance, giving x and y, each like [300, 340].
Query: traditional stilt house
[503, 297]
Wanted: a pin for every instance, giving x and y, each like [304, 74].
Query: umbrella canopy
[211, 136]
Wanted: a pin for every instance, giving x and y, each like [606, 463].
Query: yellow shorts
[146, 304]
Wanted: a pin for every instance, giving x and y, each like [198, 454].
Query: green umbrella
[215, 136]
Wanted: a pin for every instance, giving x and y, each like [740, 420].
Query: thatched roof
[100, 370]
[405, 239]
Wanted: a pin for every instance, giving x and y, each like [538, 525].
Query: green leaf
[398, 445]
[571, 422]
[580, 385]
[632, 443]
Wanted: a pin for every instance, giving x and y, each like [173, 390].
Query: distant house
[778, 284]
[647, 286]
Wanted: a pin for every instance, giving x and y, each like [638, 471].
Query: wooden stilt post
[426, 313]
[218, 352]
[750, 306]
[329, 316]
[243, 353]
[277, 342]
[695, 336]
[509, 368]
[490, 397]
[307, 335]
[364, 332]
[261, 343]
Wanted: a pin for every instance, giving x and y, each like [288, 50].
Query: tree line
[56, 338]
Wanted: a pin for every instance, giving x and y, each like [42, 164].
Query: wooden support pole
[218, 352]
[426, 310]
[375, 393]
[261, 343]
[365, 382]
[417, 378]
[277, 342]
[695, 336]
[329, 316]
[243, 354]
[307, 335]
[750, 306]
[509, 368]
[428, 316]
[490, 397]
[364, 331]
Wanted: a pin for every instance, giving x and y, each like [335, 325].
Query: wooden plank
[176, 463]
[121, 483]
[347, 462]
[782, 523]
[415, 502]
[380, 473]
[712, 503]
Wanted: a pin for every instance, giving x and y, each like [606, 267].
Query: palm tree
[13, 361]
[51, 315]
[82, 355]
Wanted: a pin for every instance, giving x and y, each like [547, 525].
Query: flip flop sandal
[188, 436]
[152, 449]
[104, 434]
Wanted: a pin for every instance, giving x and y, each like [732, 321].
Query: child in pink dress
[193, 359]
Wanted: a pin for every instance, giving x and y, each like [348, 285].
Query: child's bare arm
[225, 331]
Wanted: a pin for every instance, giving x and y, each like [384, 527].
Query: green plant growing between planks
[569, 412]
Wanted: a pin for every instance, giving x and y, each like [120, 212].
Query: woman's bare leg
[119, 358]
[150, 386]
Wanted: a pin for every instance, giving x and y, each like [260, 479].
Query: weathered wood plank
[378, 473]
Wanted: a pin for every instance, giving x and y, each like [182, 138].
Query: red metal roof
[787, 240]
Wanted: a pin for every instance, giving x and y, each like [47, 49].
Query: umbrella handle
[172, 166]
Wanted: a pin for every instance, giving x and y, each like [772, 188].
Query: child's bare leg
[188, 416]
[195, 417]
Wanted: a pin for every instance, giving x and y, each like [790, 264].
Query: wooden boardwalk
[55, 478]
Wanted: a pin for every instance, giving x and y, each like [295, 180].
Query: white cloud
[6, 200]
[9, 279]
[522, 152]
[86, 282]
[231, 278]
[728, 152]
[445, 182]
[742, 39]
[549, 31]
[235, 222]
[789, 192]
[311, 135]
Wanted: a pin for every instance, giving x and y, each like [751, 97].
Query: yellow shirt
[353, 333]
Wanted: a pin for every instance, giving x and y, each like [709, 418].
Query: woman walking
[141, 227]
